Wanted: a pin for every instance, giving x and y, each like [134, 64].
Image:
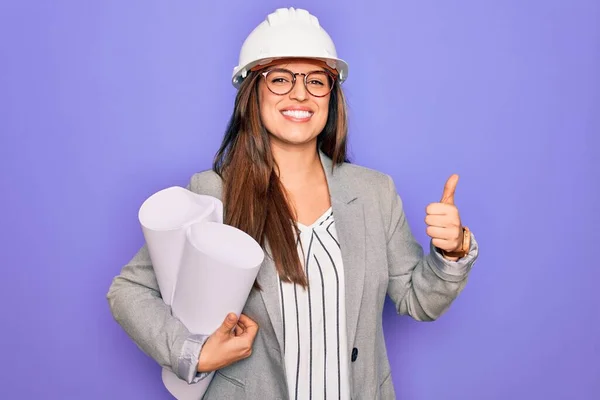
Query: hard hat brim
[337, 64]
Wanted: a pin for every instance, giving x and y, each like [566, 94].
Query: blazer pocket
[230, 379]
[224, 387]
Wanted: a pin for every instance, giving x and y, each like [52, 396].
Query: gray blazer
[380, 257]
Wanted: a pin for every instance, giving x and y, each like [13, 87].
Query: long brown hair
[254, 199]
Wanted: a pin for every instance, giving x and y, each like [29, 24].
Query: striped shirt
[314, 323]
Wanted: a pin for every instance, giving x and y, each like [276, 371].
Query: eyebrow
[308, 72]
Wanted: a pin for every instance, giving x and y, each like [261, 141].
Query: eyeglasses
[281, 81]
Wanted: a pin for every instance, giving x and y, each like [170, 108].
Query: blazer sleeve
[137, 306]
[422, 286]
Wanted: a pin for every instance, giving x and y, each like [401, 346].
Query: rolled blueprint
[165, 217]
[218, 268]
[205, 268]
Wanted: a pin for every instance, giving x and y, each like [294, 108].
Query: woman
[335, 234]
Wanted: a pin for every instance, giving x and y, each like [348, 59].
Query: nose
[299, 91]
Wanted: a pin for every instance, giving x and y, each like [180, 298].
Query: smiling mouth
[297, 114]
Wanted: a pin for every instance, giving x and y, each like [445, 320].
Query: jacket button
[354, 354]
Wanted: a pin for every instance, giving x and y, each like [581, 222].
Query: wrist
[448, 257]
[463, 248]
[204, 364]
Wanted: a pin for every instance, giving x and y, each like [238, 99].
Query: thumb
[228, 324]
[449, 189]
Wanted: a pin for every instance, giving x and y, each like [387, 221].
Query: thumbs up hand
[443, 221]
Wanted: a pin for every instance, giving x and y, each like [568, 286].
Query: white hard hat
[287, 33]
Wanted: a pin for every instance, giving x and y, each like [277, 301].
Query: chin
[300, 138]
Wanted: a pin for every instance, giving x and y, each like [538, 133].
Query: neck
[297, 164]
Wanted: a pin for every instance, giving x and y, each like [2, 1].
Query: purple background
[103, 104]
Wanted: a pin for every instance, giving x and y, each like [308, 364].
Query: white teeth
[297, 114]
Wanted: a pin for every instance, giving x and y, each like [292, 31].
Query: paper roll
[205, 269]
[165, 217]
[181, 390]
[217, 271]
[218, 268]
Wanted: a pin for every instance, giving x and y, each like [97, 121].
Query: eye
[279, 80]
[316, 82]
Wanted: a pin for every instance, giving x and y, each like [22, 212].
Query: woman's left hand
[443, 220]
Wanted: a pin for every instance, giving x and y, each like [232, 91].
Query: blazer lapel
[267, 279]
[350, 226]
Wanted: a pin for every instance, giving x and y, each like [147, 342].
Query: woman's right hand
[231, 342]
